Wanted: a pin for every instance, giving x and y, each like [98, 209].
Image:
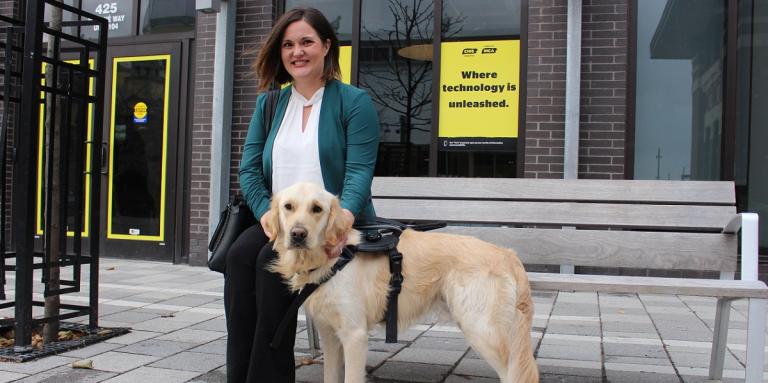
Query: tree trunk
[53, 231]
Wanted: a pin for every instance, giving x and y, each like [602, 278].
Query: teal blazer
[348, 142]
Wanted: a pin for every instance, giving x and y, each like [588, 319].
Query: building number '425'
[106, 8]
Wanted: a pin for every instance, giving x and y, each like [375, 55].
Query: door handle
[104, 159]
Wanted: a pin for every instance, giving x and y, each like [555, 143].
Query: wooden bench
[645, 225]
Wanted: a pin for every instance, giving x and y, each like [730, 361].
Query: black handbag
[237, 216]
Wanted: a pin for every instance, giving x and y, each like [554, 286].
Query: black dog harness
[381, 236]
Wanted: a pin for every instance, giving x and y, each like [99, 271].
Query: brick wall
[545, 82]
[253, 22]
[200, 140]
[603, 88]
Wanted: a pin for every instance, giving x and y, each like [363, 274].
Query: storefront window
[338, 13]
[679, 91]
[164, 16]
[479, 88]
[396, 70]
[752, 132]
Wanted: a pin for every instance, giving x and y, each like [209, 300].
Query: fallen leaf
[111, 268]
[87, 363]
[168, 315]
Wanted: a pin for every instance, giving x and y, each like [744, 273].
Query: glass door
[141, 127]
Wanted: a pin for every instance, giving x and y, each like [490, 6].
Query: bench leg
[755, 340]
[314, 341]
[720, 338]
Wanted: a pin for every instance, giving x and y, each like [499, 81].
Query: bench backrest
[607, 223]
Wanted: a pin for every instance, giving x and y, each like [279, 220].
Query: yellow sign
[140, 110]
[479, 90]
[345, 62]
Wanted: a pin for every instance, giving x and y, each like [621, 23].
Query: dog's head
[305, 219]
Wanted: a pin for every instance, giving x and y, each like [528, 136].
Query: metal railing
[53, 86]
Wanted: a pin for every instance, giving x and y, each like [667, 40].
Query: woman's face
[303, 52]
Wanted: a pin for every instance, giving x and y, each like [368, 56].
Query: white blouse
[295, 155]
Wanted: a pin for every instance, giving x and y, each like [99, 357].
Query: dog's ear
[273, 219]
[337, 224]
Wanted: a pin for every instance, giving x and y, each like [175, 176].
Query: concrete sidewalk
[178, 335]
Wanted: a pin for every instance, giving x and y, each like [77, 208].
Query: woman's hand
[335, 251]
[263, 221]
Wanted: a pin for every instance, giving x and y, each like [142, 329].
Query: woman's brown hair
[269, 65]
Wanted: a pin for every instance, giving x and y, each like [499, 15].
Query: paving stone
[133, 337]
[7, 376]
[191, 300]
[378, 345]
[475, 367]
[570, 367]
[639, 377]
[571, 352]
[218, 346]
[557, 378]
[558, 327]
[404, 336]
[691, 359]
[636, 350]
[443, 334]
[157, 347]
[94, 349]
[447, 344]
[150, 374]
[658, 369]
[67, 374]
[130, 316]
[215, 324]
[192, 361]
[36, 366]
[411, 372]
[120, 361]
[375, 359]
[629, 327]
[192, 336]
[428, 356]
[312, 373]
[216, 376]
[470, 379]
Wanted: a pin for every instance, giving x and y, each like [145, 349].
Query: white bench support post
[755, 341]
[314, 340]
[720, 338]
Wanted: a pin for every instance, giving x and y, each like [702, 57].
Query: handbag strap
[270, 107]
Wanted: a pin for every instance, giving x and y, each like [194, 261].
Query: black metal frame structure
[72, 88]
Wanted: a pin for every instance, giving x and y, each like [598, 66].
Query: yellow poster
[479, 92]
[345, 62]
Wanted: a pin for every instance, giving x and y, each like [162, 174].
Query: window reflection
[163, 16]
[338, 13]
[396, 70]
[680, 50]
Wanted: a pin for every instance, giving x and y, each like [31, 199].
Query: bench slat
[668, 217]
[648, 285]
[633, 191]
[601, 248]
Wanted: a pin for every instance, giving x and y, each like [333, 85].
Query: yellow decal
[140, 110]
[479, 88]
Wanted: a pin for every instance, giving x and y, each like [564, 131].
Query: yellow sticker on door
[140, 113]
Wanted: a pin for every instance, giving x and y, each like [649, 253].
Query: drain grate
[11, 354]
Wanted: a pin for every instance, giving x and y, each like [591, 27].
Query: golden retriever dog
[483, 287]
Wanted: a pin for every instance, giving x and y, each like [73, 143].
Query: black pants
[255, 301]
